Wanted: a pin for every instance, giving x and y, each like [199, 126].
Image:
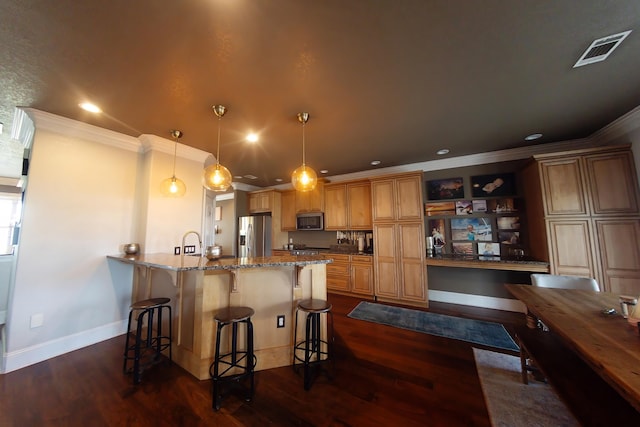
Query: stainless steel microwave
[310, 221]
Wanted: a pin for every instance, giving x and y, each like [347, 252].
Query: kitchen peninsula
[198, 287]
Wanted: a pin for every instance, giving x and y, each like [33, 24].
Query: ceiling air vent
[600, 49]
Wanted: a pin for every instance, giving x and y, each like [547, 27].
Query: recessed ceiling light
[324, 171]
[278, 179]
[92, 108]
[533, 136]
[238, 177]
[442, 152]
[251, 176]
[375, 163]
[252, 137]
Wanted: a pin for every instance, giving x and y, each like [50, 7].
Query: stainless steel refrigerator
[254, 236]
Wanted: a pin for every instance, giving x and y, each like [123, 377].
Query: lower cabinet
[350, 274]
[619, 250]
[607, 249]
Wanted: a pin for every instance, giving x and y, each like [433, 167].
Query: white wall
[78, 208]
[88, 193]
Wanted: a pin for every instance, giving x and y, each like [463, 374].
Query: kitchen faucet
[184, 238]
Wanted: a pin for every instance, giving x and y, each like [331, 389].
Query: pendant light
[173, 187]
[217, 177]
[304, 178]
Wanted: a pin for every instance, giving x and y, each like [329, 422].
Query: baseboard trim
[22, 358]
[505, 304]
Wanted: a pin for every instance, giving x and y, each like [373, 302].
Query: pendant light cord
[218, 153]
[303, 149]
[175, 152]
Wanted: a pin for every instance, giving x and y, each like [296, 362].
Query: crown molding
[619, 128]
[68, 127]
[151, 142]
[471, 159]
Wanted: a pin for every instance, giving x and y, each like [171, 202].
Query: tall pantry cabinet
[399, 240]
[583, 214]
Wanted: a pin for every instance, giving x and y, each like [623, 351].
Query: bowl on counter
[213, 252]
[131, 248]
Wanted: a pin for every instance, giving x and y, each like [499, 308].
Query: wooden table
[607, 343]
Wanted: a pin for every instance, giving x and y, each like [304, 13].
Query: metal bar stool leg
[216, 369]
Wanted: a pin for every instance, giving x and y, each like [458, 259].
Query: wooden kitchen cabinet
[350, 275]
[338, 273]
[362, 275]
[564, 191]
[335, 211]
[572, 250]
[288, 203]
[399, 239]
[261, 201]
[397, 198]
[582, 211]
[612, 183]
[311, 201]
[348, 206]
[619, 250]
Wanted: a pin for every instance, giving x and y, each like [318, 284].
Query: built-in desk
[490, 263]
[198, 287]
[479, 280]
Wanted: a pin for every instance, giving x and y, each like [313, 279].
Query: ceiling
[388, 80]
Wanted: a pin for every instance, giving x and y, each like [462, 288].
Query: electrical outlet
[280, 323]
[36, 320]
[176, 250]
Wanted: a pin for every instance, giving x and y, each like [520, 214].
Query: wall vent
[600, 49]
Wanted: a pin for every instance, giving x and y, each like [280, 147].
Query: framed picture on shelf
[489, 249]
[464, 207]
[445, 189]
[502, 205]
[509, 223]
[462, 248]
[493, 185]
[471, 229]
[509, 237]
[437, 231]
[479, 206]
[439, 208]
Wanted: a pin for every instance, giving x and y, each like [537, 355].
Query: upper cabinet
[397, 198]
[612, 183]
[261, 201]
[288, 221]
[310, 201]
[589, 184]
[348, 206]
[564, 190]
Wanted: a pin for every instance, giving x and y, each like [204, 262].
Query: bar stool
[316, 351]
[233, 370]
[151, 343]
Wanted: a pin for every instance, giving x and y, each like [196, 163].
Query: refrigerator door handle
[250, 240]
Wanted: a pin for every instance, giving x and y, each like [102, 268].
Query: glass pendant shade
[173, 187]
[217, 178]
[304, 179]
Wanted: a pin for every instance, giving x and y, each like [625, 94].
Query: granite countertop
[186, 262]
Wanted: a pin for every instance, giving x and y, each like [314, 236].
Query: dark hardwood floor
[383, 377]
